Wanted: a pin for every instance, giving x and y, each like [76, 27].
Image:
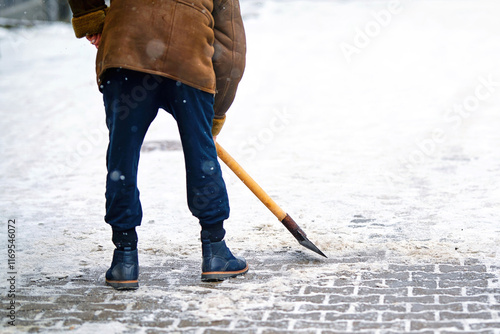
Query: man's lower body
[132, 100]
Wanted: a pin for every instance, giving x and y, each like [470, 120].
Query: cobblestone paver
[288, 292]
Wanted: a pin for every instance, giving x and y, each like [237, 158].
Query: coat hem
[162, 74]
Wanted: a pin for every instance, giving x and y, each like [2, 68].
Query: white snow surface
[391, 147]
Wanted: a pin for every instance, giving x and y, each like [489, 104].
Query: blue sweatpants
[132, 100]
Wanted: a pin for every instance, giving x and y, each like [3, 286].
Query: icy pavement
[284, 293]
[373, 124]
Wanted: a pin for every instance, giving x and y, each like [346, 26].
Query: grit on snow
[374, 124]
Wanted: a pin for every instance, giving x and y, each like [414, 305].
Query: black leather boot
[124, 271]
[219, 263]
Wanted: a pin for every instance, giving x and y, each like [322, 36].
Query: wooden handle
[250, 183]
[285, 219]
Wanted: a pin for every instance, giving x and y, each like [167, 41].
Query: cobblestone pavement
[284, 292]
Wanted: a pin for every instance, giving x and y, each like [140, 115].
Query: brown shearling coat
[198, 42]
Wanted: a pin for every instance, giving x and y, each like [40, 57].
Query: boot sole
[124, 285]
[222, 275]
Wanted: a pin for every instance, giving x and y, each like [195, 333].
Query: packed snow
[374, 124]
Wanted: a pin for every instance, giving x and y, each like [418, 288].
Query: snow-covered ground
[373, 123]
